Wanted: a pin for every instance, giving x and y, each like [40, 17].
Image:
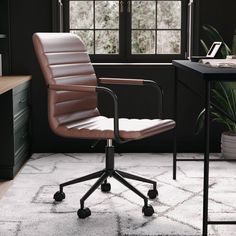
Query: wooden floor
[4, 186]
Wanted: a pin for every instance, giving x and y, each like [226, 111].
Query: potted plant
[224, 97]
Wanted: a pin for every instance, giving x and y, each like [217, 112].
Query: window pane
[143, 41]
[107, 42]
[87, 37]
[155, 25]
[81, 14]
[168, 42]
[168, 14]
[143, 14]
[107, 15]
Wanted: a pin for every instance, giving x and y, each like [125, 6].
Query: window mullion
[94, 26]
[66, 16]
[128, 28]
[156, 28]
[123, 31]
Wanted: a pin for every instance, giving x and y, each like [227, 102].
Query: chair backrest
[64, 60]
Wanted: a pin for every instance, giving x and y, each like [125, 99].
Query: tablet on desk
[215, 47]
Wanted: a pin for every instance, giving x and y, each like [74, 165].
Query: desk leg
[175, 129]
[206, 158]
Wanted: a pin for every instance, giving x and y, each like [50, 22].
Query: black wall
[5, 32]
[221, 15]
[27, 17]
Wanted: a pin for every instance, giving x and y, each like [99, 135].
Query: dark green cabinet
[14, 126]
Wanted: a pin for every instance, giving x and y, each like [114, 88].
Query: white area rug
[28, 208]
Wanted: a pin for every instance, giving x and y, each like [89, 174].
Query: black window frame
[125, 54]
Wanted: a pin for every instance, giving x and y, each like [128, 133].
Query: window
[129, 30]
[156, 27]
[97, 23]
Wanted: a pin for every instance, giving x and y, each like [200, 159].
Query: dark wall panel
[5, 13]
[221, 15]
[27, 17]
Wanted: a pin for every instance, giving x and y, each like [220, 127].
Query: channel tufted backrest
[64, 60]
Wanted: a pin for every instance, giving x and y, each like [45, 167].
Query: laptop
[215, 47]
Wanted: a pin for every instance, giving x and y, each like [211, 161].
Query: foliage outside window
[148, 27]
[156, 27]
[97, 23]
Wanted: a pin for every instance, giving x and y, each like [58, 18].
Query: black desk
[207, 74]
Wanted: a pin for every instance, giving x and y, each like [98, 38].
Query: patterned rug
[28, 208]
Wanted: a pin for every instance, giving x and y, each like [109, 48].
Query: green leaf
[230, 85]
[199, 122]
[219, 99]
[214, 35]
[233, 100]
[224, 120]
[229, 107]
[204, 45]
[234, 43]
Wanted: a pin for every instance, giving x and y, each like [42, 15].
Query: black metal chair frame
[109, 170]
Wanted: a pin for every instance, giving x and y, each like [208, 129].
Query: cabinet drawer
[21, 129]
[21, 87]
[21, 119]
[20, 101]
[21, 137]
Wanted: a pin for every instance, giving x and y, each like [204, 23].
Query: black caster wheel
[106, 187]
[152, 193]
[59, 196]
[83, 213]
[148, 210]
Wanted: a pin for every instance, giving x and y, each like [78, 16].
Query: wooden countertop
[9, 82]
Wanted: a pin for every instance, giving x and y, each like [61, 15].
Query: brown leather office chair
[73, 112]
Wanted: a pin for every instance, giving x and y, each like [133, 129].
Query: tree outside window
[135, 27]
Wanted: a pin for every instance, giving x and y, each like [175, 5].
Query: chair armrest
[116, 114]
[85, 88]
[121, 81]
[142, 82]
[78, 88]
[160, 91]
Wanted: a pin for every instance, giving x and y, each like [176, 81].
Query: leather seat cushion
[101, 127]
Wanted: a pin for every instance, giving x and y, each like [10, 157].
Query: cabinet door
[21, 131]
[21, 98]
[14, 127]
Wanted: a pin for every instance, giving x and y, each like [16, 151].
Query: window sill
[130, 64]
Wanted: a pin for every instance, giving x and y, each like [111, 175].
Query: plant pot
[228, 145]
